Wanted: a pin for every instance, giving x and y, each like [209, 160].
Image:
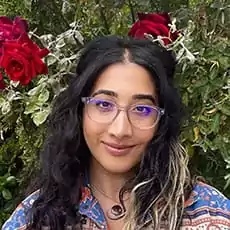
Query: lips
[117, 149]
[117, 146]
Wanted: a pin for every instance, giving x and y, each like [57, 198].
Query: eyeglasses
[105, 111]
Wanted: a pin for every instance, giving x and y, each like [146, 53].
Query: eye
[102, 105]
[143, 110]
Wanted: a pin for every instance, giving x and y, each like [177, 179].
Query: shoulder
[207, 205]
[208, 196]
[18, 220]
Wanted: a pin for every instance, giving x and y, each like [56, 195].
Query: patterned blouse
[206, 209]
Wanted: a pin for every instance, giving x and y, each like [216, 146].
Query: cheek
[91, 130]
[88, 128]
[146, 135]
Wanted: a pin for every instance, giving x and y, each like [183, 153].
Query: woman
[112, 158]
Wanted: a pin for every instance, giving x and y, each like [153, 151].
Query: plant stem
[132, 10]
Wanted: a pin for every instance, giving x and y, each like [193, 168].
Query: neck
[108, 182]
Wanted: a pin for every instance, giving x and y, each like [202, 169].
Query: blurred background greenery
[204, 84]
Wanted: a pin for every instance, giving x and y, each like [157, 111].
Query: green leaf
[2, 101]
[214, 70]
[66, 7]
[216, 123]
[42, 80]
[36, 90]
[224, 108]
[218, 83]
[31, 107]
[44, 96]
[51, 59]
[205, 128]
[216, 5]
[60, 43]
[40, 116]
[6, 194]
[200, 82]
[210, 144]
[205, 92]
[185, 98]
[224, 61]
[11, 180]
[28, 4]
[227, 178]
[6, 107]
[63, 65]
[12, 95]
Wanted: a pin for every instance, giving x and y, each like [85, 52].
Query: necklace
[117, 211]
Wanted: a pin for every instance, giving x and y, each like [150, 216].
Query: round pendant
[116, 212]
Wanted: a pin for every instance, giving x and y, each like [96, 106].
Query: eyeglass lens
[105, 111]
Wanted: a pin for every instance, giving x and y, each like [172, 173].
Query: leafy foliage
[205, 89]
[24, 110]
[61, 25]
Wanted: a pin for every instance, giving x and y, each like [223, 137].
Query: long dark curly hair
[161, 182]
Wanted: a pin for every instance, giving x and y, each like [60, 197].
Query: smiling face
[115, 141]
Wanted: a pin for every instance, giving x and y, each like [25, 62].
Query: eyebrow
[106, 92]
[144, 97]
[135, 96]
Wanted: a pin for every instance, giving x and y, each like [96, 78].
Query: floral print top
[206, 209]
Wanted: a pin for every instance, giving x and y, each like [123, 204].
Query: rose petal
[15, 76]
[166, 41]
[150, 27]
[140, 33]
[25, 80]
[10, 45]
[14, 49]
[22, 59]
[1, 77]
[45, 69]
[174, 35]
[14, 70]
[21, 23]
[158, 18]
[2, 85]
[162, 28]
[23, 38]
[11, 30]
[10, 56]
[156, 24]
[40, 66]
[4, 61]
[5, 20]
[10, 61]
[43, 52]
[33, 69]
[6, 28]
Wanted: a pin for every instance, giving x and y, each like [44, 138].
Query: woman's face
[118, 145]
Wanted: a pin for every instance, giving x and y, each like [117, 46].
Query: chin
[116, 164]
[119, 167]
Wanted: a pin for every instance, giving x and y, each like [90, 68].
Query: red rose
[154, 24]
[21, 59]
[2, 85]
[11, 30]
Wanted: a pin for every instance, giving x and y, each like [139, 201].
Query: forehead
[126, 79]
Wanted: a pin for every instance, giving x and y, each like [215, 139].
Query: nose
[121, 126]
